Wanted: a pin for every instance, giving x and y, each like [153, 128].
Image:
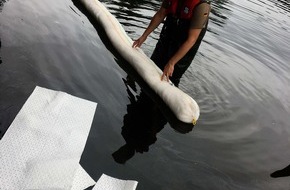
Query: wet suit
[174, 34]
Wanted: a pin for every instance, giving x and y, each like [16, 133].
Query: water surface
[240, 79]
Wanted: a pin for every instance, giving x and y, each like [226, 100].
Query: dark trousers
[165, 49]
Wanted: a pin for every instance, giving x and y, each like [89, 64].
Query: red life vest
[186, 9]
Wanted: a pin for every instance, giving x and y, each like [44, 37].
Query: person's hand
[167, 71]
[139, 42]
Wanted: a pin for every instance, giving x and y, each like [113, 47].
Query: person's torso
[178, 19]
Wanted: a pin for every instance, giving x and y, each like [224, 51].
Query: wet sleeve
[200, 16]
[165, 4]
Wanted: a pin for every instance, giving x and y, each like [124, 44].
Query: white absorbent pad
[42, 147]
[109, 183]
[182, 105]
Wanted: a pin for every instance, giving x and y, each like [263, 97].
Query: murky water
[240, 78]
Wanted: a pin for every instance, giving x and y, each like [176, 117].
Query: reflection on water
[0, 52]
[283, 4]
[143, 120]
[140, 125]
[2, 4]
[219, 12]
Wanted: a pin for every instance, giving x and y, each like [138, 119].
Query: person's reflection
[281, 173]
[140, 125]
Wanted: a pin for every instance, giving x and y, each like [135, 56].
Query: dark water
[240, 78]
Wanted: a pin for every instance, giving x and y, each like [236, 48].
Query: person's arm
[199, 19]
[184, 48]
[154, 23]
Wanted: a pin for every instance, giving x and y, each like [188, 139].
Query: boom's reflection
[144, 119]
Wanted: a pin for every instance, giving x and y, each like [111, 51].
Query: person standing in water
[183, 30]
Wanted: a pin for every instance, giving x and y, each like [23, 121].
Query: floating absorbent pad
[109, 183]
[42, 147]
[182, 105]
